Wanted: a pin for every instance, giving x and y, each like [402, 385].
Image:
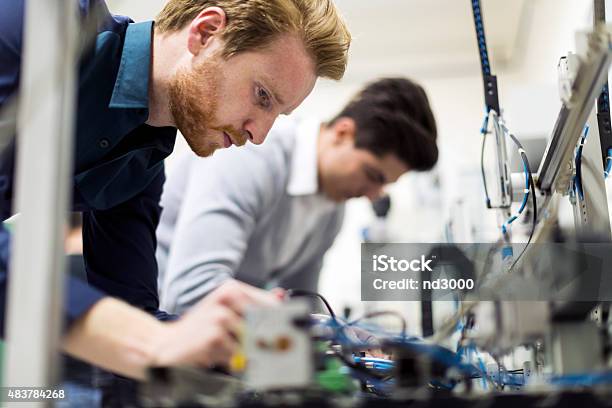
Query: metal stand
[44, 162]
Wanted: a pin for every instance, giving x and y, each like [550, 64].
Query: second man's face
[349, 172]
[219, 102]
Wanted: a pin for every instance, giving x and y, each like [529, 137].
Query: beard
[193, 99]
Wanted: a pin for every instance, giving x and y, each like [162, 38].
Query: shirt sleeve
[223, 199]
[11, 27]
[119, 249]
[79, 295]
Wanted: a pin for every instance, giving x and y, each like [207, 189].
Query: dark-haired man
[274, 210]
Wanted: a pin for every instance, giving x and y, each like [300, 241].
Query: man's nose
[374, 192]
[258, 129]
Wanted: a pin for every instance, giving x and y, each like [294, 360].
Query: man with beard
[219, 71]
[274, 210]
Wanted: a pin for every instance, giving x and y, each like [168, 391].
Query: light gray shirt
[253, 214]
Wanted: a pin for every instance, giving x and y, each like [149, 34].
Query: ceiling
[421, 38]
[424, 38]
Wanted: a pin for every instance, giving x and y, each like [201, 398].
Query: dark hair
[392, 115]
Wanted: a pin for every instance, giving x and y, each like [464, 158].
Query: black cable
[484, 132]
[307, 293]
[533, 197]
[578, 164]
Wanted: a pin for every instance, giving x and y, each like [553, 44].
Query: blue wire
[485, 123]
[608, 163]
[377, 363]
[589, 379]
[372, 360]
[523, 203]
[482, 368]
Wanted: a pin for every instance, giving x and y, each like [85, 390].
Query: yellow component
[238, 363]
[239, 360]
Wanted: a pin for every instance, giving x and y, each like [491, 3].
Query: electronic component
[279, 351]
[504, 325]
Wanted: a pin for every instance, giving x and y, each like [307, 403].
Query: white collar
[303, 178]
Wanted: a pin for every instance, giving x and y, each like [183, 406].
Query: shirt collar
[132, 83]
[303, 179]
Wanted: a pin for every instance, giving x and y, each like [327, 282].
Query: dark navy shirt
[118, 162]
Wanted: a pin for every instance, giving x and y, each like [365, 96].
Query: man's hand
[127, 341]
[208, 334]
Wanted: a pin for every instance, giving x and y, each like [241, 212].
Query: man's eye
[375, 177]
[263, 98]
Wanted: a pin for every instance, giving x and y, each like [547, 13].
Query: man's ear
[344, 130]
[209, 23]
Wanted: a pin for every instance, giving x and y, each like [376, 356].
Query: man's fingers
[239, 297]
[219, 349]
[279, 293]
[229, 320]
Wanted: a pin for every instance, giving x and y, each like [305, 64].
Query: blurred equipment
[378, 230]
[276, 342]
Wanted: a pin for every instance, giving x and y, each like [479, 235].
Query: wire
[380, 383]
[307, 293]
[533, 199]
[527, 185]
[375, 363]
[498, 128]
[578, 163]
[484, 131]
[481, 365]
[359, 368]
[383, 361]
[383, 313]
[608, 163]
[449, 326]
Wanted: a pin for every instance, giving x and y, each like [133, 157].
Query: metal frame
[591, 213]
[590, 77]
[44, 162]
